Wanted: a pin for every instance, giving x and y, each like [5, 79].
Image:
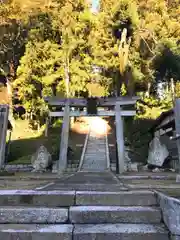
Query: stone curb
[170, 208]
[18, 167]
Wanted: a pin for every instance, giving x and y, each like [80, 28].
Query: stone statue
[127, 162]
[41, 160]
[157, 152]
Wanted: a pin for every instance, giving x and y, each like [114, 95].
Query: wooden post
[64, 140]
[177, 124]
[119, 138]
[4, 125]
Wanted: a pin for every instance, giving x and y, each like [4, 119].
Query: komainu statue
[41, 160]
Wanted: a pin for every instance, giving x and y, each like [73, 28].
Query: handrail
[84, 150]
[107, 151]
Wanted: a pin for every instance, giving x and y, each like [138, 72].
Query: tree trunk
[67, 77]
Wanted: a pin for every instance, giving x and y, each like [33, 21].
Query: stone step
[67, 170]
[71, 170]
[73, 164]
[87, 187]
[95, 163]
[64, 195]
[95, 157]
[95, 152]
[94, 168]
[120, 231]
[37, 198]
[113, 168]
[95, 160]
[96, 144]
[73, 161]
[28, 215]
[36, 232]
[113, 164]
[83, 232]
[90, 166]
[114, 214]
[96, 148]
[130, 198]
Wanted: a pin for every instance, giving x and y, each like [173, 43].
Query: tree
[113, 18]
[150, 24]
[39, 69]
[73, 22]
[57, 56]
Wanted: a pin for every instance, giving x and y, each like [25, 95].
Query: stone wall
[170, 208]
[18, 168]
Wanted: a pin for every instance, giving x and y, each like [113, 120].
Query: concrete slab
[35, 232]
[131, 198]
[33, 215]
[120, 231]
[113, 214]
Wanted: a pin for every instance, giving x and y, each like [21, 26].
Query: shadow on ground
[137, 133]
[25, 143]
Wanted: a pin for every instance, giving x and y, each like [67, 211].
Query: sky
[95, 5]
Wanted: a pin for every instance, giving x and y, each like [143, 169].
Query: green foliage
[60, 42]
[39, 69]
[151, 107]
[57, 51]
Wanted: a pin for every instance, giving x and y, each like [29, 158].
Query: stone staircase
[80, 215]
[96, 156]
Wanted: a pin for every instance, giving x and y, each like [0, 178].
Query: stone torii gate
[92, 106]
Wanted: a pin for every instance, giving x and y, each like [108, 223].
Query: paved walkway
[88, 181]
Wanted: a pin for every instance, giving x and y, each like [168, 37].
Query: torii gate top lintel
[101, 101]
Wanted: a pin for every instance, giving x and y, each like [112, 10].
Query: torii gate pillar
[119, 138]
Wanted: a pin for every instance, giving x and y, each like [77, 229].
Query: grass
[25, 142]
